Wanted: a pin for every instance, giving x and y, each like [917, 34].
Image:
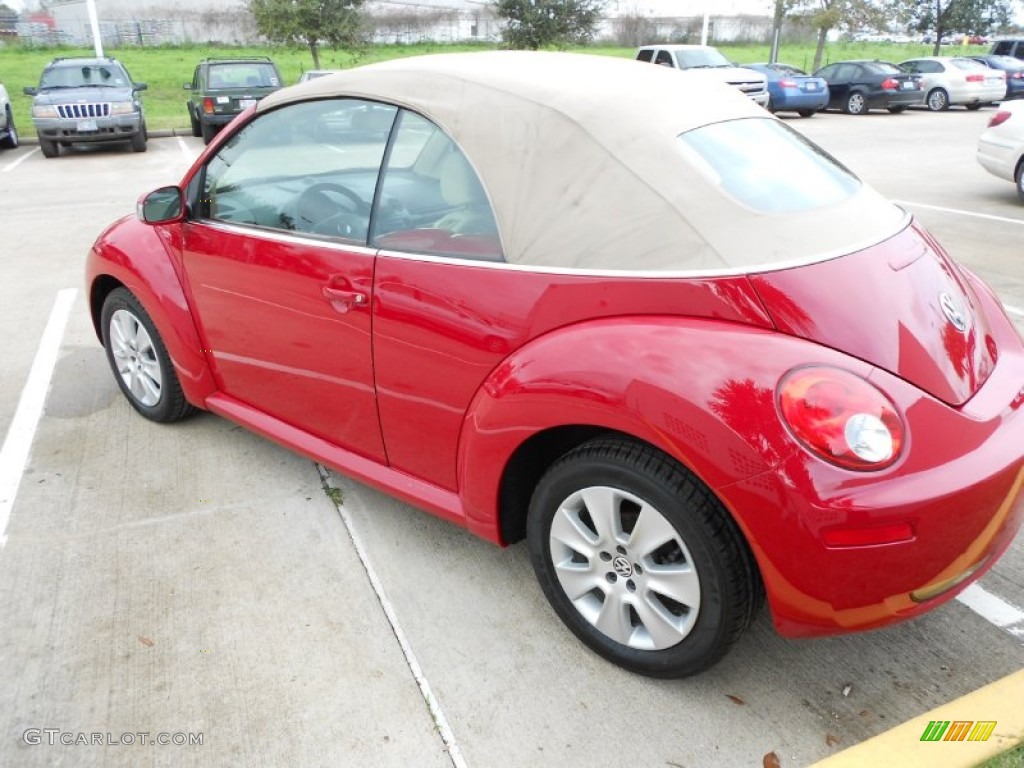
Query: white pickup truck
[704, 58]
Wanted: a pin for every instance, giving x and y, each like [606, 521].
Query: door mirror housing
[161, 206]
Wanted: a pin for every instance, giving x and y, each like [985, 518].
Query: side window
[645, 55]
[665, 59]
[310, 168]
[431, 200]
[911, 66]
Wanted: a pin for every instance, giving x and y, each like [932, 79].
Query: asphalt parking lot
[196, 582]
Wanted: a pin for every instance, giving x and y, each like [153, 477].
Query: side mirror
[30, 90]
[140, 87]
[161, 206]
[187, 86]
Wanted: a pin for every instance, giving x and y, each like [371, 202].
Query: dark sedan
[792, 90]
[1014, 69]
[857, 86]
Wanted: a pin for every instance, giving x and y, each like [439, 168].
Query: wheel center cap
[622, 567]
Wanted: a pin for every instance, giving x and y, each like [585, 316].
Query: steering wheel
[317, 211]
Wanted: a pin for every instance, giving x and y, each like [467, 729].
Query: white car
[8, 133]
[708, 62]
[1001, 146]
[949, 80]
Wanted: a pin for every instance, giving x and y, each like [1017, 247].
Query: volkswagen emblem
[622, 567]
[953, 312]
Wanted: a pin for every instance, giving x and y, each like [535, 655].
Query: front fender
[142, 258]
[702, 391]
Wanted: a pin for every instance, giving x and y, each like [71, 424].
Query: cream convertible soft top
[582, 162]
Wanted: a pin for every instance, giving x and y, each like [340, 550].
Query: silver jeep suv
[87, 100]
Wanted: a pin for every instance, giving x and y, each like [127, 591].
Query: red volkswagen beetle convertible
[632, 318]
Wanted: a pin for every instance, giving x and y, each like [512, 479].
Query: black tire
[856, 104]
[48, 148]
[208, 131]
[158, 398]
[196, 130]
[899, 109]
[672, 638]
[10, 140]
[937, 100]
[806, 112]
[1020, 180]
[769, 105]
[974, 107]
[139, 140]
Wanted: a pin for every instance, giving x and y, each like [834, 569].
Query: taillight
[841, 418]
[1015, 76]
[208, 105]
[999, 118]
[889, 84]
[787, 83]
[975, 78]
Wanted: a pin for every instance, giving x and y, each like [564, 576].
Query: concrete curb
[999, 702]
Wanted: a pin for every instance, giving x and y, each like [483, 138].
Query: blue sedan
[793, 90]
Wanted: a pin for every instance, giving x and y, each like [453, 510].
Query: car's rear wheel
[48, 148]
[139, 140]
[10, 141]
[806, 112]
[974, 107]
[898, 110]
[855, 104]
[196, 130]
[937, 100]
[208, 132]
[1020, 180]
[770, 105]
[640, 560]
[139, 359]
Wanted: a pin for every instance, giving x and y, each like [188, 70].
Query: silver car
[8, 133]
[949, 80]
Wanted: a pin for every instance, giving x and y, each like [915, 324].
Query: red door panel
[287, 324]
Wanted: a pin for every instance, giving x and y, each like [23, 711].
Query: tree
[939, 17]
[827, 15]
[532, 24]
[310, 22]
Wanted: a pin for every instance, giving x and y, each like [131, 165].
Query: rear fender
[142, 258]
[702, 391]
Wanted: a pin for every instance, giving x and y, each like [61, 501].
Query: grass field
[165, 70]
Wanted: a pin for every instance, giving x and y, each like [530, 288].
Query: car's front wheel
[139, 140]
[1020, 180]
[10, 141]
[855, 104]
[139, 359]
[640, 560]
[48, 148]
[937, 100]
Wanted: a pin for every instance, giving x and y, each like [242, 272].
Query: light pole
[97, 43]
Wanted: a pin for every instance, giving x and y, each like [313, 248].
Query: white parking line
[189, 156]
[19, 161]
[18, 443]
[989, 216]
[993, 609]
[433, 706]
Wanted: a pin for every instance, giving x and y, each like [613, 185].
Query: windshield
[701, 57]
[78, 76]
[767, 166]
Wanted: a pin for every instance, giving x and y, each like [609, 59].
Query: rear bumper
[998, 156]
[895, 99]
[959, 487]
[788, 99]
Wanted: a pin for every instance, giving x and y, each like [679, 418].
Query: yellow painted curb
[1002, 701]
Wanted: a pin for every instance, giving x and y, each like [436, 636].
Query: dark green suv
[221, 88]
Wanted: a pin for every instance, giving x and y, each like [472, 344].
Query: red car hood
[900, 305]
